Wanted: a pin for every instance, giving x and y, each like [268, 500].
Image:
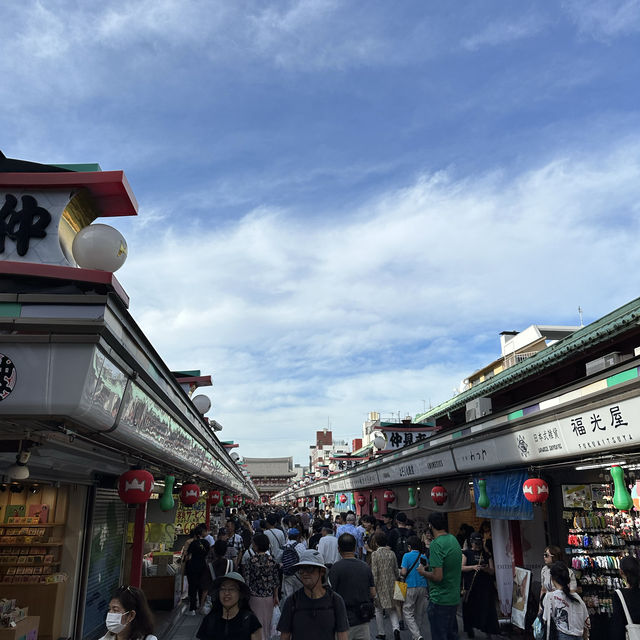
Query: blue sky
[343, 203]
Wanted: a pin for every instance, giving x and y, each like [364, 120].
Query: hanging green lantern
[375, 505]
[166, 501]
[412, 497]
[622, 499]
[483, 498]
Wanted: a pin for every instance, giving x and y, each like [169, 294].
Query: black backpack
[401, 546]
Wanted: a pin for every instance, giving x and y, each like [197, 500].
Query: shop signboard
[521, 586]
[399, 437]
[592, 430]
[428, 466]
[189, 517]
[365, 480]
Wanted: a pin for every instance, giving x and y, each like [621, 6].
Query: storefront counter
[45, 605]
[163, 592]
[26, 628]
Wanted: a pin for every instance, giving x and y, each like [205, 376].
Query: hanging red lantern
[189, 494]
[535, 490]
[226, 500]
[135, 486]
[439, 495]
[362, 501]
[214, 496]
[324, 499]
[388, 496]
[343, 498]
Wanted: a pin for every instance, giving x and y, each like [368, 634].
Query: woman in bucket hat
[230, 617]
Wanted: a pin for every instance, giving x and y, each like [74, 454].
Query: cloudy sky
[342, 203]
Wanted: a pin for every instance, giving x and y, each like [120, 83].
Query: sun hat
[310, 558]
[236, 577]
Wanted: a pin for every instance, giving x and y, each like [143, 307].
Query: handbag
[539, 630]
[633, 630]
[400, 587]
[366, 611]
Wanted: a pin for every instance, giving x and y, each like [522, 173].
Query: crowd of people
[325, 577]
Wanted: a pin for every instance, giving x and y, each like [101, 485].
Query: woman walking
[384, 567]
[564, 608]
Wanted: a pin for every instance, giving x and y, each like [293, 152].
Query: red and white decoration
[189, 494]
[535, 490]
[362, 501]
[135, 486]
[324, 499]
[343, 498]
[214, 497]
[226, 500]
[388, 496]
[439, 495]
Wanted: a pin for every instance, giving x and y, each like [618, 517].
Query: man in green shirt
[443, 574]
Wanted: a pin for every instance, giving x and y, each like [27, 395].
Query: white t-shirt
[276, 542]
[328, 548]
[570, 617]
[545, 579]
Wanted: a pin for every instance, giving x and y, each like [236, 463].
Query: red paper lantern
[226, 500]
[214, 496]
[343, 498]
[362, 500]
[439, 495]
[135, 486]
[324, 499]
[388, 496]
[535, 490]
[189, 494]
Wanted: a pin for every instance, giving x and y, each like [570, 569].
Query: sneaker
[396, 634]
[190, 613]
[401, 625]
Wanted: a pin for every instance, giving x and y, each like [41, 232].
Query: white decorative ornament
[380, 441]
[99, 246]
[202, 403]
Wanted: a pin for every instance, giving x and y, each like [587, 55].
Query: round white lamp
[202, 403]
[99, 246]
[380, 441]
[19, 470]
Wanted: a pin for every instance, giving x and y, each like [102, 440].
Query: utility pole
[580, 314]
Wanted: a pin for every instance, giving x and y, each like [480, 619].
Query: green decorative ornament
[412, 497]
[375, 505]
[622, 499]
[166, 501]
[337, 500]
[483, 498]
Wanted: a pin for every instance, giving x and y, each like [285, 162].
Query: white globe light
[18, 472]
[99, 246]
[235, 456]
[202, 404]
[379, 442]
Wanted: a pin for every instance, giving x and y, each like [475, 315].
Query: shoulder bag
[400, 587]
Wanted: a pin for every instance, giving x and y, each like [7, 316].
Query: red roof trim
[202, 381]
[111, 189]
[416, 429]
[56, 272]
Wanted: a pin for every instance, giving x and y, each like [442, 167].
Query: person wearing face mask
[230, 617]
[129, 616]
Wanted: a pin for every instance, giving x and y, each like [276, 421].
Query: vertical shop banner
[189, 517]
[503, 560]
[520, 596]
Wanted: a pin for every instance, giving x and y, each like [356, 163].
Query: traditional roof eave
[607, 327]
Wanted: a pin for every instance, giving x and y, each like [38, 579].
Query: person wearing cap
[314, 612]
[290, 580]
[478, 605]
[230, 617]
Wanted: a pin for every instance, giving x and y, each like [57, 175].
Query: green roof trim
[516, 414]
[10, 309]
[623, 376]
[601, 330]
[88, 167]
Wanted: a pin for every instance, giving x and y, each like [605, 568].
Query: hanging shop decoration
[166, 501]
[226, 500]
[412, 497]
[214, 496]
[343, 498]
[362, 501]
[375, 505]
[189, 494]
[621, 498]
[483, 498]
[536, 490]
[439, 495]
[388, 496]
[135, 486]
[324, 499]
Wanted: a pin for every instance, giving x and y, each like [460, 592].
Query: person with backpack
[290, 558]
[626, 602]
[315, 611]
[276, 537]
[415, 601]
[565, 608]
[399, 537]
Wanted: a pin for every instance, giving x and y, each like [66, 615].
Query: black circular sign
[8, 376]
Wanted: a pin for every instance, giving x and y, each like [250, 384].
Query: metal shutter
[108, 531]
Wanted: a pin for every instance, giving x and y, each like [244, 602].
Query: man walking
[313, 612]
[276, 537]
[353, 580]
[328, 546]
[350, 527]
[443, 574]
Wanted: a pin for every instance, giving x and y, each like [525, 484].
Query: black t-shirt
[394, 537]
[313, 540]
[313, 619]
[240, 627]
[198, 550]
[618, 619]
[352, 579]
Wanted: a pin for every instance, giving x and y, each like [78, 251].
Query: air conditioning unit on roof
[477, 408]
[599, 364]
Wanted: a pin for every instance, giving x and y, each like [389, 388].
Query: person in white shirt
[328, 547]
[566, 609]
[276, 537]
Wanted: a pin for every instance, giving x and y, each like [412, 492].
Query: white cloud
[300, 320]
[505, 32]
[605, 19]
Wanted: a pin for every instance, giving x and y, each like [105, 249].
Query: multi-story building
[270, 475]
[321, 453]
